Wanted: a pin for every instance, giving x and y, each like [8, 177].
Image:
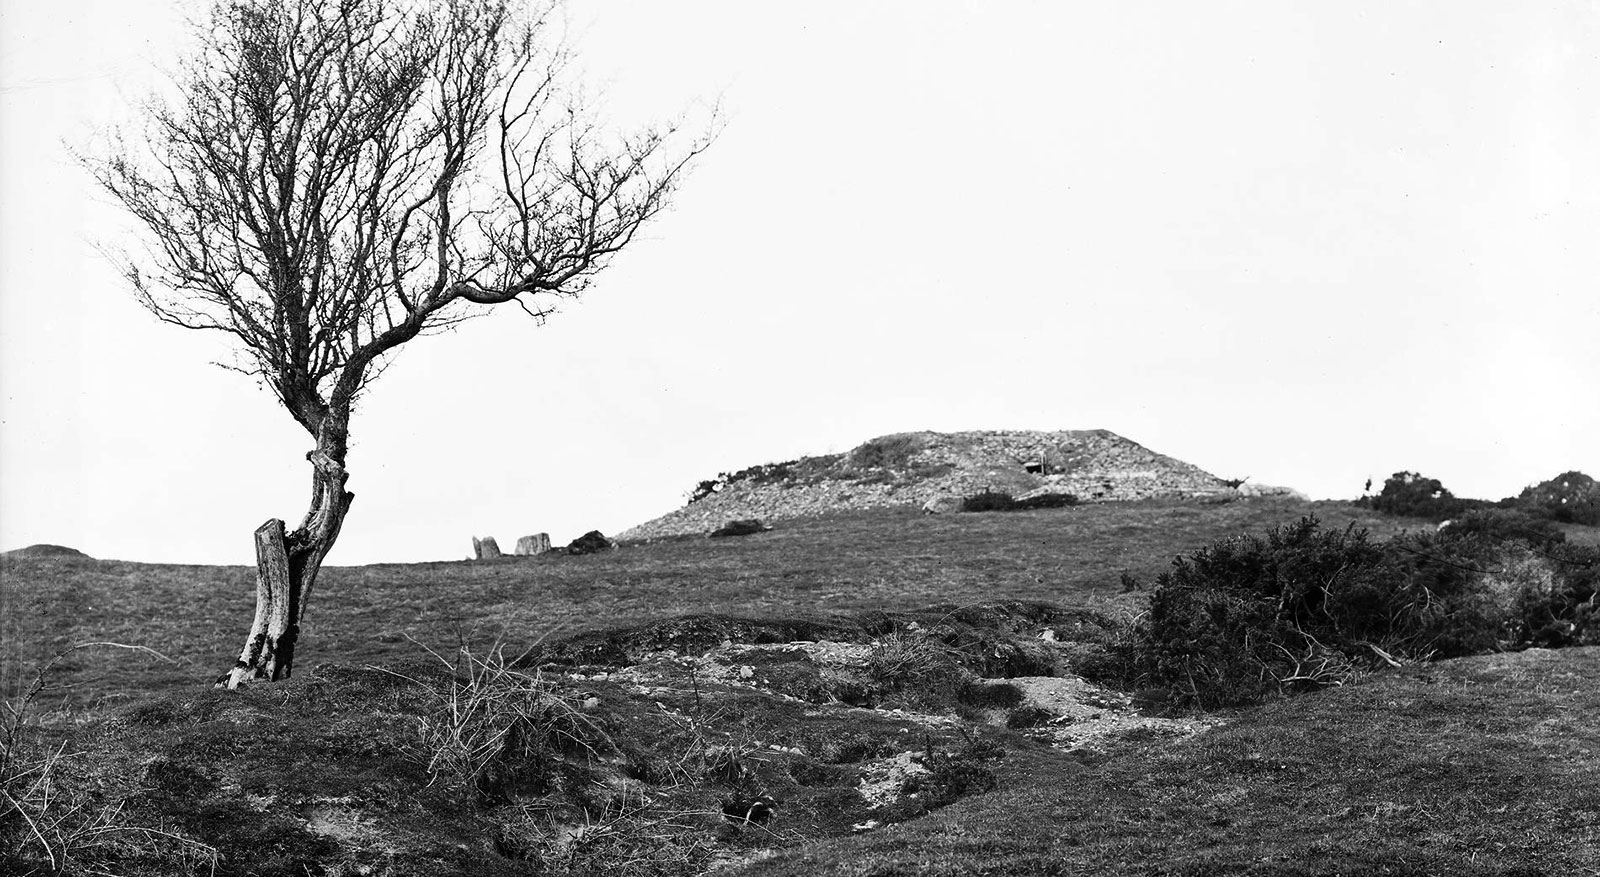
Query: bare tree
[340, 177]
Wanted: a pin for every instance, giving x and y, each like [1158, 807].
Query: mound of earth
[46, 550]
[916, 467]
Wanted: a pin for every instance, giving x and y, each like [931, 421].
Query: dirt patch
[1073, 713]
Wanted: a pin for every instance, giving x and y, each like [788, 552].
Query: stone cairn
[538, 543]
[485, 548]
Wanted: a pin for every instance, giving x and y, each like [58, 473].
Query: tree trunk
[287, 565]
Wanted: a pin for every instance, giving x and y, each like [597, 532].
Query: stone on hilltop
[538, 543]
[485, 548]
[943, 504]
[591, 542]
[1257, 491]
[739, 528]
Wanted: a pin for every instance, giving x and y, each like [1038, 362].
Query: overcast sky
[1309, 243]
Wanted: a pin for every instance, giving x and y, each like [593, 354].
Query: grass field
[197, 615]
[1481, 766]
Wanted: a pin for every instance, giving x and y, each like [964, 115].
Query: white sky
[1309, 243]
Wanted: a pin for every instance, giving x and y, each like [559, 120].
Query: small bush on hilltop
[1306, 608]
[806, 470]
[1571, 497]
[1411, 495]
[886, 452]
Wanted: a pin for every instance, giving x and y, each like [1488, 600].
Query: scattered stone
[943, 504]
[592, 542]
[538, 543]
[1092, 465]
[1257, 491]
[739, 528]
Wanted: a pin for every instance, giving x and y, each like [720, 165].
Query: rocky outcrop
[913, 469]
[592, 542]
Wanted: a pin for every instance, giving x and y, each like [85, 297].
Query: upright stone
[477, 548]
[538, 543]
[486, 548]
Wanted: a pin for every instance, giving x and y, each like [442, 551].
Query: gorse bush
[1305, 607]
[1411, 495]
[1503, 525]
[1571, 497]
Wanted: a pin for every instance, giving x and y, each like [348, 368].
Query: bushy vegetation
[998, 501]
[886, 452]
[1305, 607]
[806, 470]
[1412, 495]
[1571, 498]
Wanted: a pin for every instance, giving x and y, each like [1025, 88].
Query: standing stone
[485, 548]
[538, 543]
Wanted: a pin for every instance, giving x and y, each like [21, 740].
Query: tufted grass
[882, 559]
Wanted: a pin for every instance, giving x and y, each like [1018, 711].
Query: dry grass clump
[635, 841]
[50, 816]
[496, 727]
[916, 666]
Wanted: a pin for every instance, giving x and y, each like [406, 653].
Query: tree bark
[287, 564]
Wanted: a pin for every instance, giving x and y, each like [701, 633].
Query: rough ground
[610, 747]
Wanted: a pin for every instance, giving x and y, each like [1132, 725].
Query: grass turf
[896, 559]
[1480, 766]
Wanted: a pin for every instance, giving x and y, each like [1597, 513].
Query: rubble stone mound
[916, 468]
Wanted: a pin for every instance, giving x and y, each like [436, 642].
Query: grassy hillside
[903, 689]
[198, 615]
[1480, 766]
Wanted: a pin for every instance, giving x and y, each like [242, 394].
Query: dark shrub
[1305, 608]
[995, 501]
[988, 501]
[1571, 497]
[1411, 495]
[1497, 526]
[739, 528]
